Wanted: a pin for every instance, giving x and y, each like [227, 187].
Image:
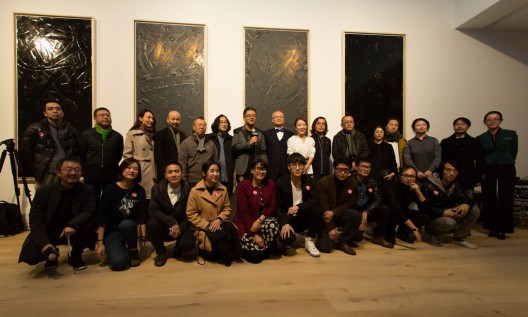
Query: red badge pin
[436, 193]
[370, 190]
[350, 191]
[255, 192]
[133, 195]
[41, 134]
[308, 187]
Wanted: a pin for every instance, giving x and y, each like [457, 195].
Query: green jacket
[503, 151]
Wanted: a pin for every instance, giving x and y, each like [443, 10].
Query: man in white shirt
[168, 218]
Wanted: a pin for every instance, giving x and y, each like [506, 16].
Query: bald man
[276, 146]
[168, 143]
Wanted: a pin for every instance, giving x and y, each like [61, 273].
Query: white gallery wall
[447, 73]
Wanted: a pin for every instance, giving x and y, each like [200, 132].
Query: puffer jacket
[37, 147]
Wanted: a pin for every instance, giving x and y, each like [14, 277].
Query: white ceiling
[503, 15]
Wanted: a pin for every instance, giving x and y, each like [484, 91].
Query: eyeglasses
[261, 169]
[104, 115]
[297, 165]
[69, 170]
[408, 176]
[342, 170]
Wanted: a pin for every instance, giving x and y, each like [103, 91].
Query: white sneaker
[309, 245]
[464, 244]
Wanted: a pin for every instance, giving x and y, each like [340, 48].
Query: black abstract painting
[170, 70]
[276, 74]
[374, 83]
[53, 61]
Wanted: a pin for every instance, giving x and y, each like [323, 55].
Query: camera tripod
[13, 156]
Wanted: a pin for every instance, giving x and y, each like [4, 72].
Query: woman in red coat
[257, 226]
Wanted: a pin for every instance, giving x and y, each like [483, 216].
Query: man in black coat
[467, 152]
[277, 146]
[60, 215]
[101, 151]
[167, 143]
[298, 210]
[223, 142]
[168, 219]
[349, 143]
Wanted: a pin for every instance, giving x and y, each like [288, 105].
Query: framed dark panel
[374, 78]
[276, 73]
[170, 74]
[54, 59]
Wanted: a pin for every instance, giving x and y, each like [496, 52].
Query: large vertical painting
[170, 71]
[276, 73]
[374, 78]
[54, 61]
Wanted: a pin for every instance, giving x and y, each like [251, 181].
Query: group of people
[163, 185]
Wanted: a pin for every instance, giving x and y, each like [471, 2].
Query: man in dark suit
[60, 215]
[297, 207]
[337, 196]
[277, 146]
[168, 143]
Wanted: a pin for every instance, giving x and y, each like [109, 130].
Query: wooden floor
[412, 280]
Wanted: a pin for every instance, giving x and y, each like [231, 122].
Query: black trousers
[225, 241]
[498, 211]
[311, 219]
[158, 233]
[350, 221]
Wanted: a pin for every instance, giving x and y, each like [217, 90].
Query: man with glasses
[46, 142]
[248, 144]
[277, 146]
[369, 203]
[297, 207]
[403, 201]
[337, 197]
[349, 143]
[101, 151]
[60, 215]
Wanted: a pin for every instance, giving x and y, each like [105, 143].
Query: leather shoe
[346, 248]
[492, 234]
[382, 242]
[160, 260]
[500, 235]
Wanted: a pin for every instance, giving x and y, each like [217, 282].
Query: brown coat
[138, 146]
[202, 208]
[326, 190]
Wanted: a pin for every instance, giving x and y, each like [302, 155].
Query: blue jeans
[117, 244]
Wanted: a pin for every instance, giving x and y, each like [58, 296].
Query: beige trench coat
[138, 146]
[202, 208]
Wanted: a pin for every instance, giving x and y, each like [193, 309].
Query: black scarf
[393, 137]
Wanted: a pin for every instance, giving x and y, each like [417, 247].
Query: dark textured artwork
[170, 70]
[54, 61]
[277, 74]
[374, 87]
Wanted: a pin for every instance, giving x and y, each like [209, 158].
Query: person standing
[248, 144]
[276, 146]
[195, 151]
[500, 151]
[139, 144]
[384, 166]
[223, 142]
[467, 152]
[423, 152]
[323, 149]
[349, 144]
[46, 142]
[302, 144]
[168, 142]
[101, 151]
[395, 139]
